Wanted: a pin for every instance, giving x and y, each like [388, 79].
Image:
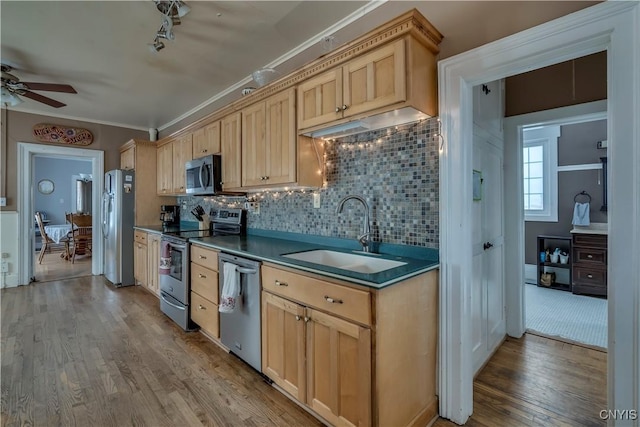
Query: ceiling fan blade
[37, 97]
[52, 87]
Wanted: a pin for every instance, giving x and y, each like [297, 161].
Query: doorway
[27, 187]
[69, 191]
[561, 167]
[576, 35]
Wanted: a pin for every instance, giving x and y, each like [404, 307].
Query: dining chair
[47, 242]
[80, 235]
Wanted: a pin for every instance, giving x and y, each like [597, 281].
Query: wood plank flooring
[55, 268]
[80, 352]
[537, 381]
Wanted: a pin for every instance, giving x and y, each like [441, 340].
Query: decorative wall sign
[44, 132]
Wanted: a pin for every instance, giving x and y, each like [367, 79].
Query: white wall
[9, 246]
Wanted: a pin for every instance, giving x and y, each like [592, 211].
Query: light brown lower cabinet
[153, 263]
[204, 290]
[140, 258]
[380, 371]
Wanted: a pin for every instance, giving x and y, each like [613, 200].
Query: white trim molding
[26, 154]
[609, 26]
[581, 167]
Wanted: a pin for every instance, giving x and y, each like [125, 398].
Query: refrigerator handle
[106, 201]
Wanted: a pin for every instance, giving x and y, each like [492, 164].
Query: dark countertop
[271, 249]
[149, 228]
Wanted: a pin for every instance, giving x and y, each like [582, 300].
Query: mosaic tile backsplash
[395, 170]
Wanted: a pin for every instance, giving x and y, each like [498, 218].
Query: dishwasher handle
[243, 270]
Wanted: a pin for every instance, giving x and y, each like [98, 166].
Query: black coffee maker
[170, 216]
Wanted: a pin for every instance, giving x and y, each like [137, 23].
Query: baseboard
[531, 273]
[426, 417]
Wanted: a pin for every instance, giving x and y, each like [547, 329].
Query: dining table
[57, 232]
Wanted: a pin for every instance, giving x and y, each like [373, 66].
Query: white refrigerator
[117, 226]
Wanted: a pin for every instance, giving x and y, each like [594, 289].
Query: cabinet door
[338, 369]
[182, 153]
[128, 159]
[283, 344]
[375, 80]
[164, 157]
[254, 149]
[153, 259]
[320, 99]
[206, 140]
[140, 265]
[230, 146]
[281, 138]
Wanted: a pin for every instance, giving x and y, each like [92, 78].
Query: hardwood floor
[537, 381]
[54, 267]
[80, 352]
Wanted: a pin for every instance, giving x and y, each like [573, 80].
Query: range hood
[379, 121]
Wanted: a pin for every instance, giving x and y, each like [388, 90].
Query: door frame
[609, 26]
[26, 227]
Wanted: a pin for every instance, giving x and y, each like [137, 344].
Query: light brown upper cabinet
[269, 141]
[128, 157]
[182, 153]
[396, 75]
[230, 148]
[164, 157]
[206, 140]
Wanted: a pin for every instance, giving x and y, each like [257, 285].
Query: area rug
[562, 314]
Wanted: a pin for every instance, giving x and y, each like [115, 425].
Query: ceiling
[101, 48]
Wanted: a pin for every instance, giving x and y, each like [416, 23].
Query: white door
[487, 297]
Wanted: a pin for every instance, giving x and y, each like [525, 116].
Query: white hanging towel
[581, 214]
[230, 295]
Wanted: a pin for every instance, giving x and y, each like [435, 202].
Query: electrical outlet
[4, 266]
[254, 208]
[5, 254]
[316, 200]
[601, 144]
[3, 201]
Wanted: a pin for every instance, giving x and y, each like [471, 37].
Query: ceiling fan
[12, 87]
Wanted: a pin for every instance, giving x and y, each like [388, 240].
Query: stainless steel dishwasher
[240, 330]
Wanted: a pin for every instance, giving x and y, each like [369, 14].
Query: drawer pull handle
[279, 283]
[590, 276]
[589, 256]
[202, 257]
[202, 276]
[297, 317]
[201, 307]
[333, 301]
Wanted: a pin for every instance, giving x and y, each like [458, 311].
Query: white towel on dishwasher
[230, 295]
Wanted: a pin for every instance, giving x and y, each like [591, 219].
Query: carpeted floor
[562, 314]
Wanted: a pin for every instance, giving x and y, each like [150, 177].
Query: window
[540, 176]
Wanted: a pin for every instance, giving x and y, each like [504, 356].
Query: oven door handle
[243, 270]
[172, 304]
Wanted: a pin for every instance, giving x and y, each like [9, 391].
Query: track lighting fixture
[171, 11]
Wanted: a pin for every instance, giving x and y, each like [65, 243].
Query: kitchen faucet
[365, 238]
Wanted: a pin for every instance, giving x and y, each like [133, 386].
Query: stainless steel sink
[346, 261]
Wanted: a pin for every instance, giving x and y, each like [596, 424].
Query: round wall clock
[45, 186]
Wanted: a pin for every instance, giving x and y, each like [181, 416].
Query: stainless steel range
[174, 281]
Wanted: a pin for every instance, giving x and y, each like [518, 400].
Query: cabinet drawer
[140, 236]
[204, 281]
[590, 240]
[594, 276]
[346, 302]
[205, 314]
[204, 257]
[589, 255]
[589, 289]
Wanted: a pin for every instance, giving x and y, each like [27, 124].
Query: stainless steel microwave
[203, 175]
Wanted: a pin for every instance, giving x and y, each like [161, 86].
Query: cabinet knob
[202, 257]
[204, 151]
[297, 317]
[589, 256]
[306, 319]
[338, 109]
[279, 283]
[344, 107]
[202, 276]
[201, 307]
[590, 276]
[332, 300]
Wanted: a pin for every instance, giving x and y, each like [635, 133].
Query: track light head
[156, 46]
